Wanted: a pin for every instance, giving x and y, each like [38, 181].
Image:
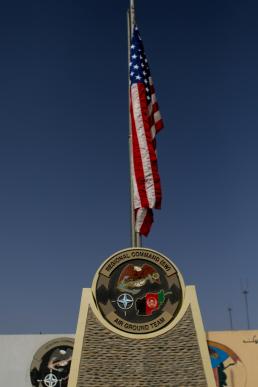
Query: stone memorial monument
[140, 326]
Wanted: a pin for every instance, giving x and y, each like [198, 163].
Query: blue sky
[64, 182]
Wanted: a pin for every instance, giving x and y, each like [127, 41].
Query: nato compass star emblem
[125, 301]
[50, 380]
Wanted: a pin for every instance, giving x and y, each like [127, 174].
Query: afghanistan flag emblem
[149, 303]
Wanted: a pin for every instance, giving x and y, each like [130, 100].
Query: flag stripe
[157, 116]
[138, 166]
[136, 196]
[142, 153]
[144, 220]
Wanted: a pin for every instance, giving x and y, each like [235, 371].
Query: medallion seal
[138, 290]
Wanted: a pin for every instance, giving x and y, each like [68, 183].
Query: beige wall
[16, 355]
[241, 367]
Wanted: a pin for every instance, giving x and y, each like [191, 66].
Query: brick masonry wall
[170, 360]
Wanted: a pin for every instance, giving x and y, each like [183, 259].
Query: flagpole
[135, 236]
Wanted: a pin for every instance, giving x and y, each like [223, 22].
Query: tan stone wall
[242, 372]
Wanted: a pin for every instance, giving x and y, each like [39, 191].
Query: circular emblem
[51, 363]
[138, 290]
[50, 380]
[125, 301]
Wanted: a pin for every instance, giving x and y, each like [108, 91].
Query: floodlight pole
[135, 236]
[230, 318]
[245, 293]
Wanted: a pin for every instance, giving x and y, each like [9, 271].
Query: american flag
[146, 122]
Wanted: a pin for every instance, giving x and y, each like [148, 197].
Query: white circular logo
[50, 380]
[125, 301]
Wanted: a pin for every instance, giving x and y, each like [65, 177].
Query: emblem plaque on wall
[51, 363]
[138, 290]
